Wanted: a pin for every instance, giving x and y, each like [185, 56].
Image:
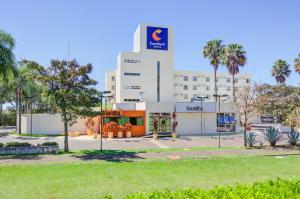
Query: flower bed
[22, 148]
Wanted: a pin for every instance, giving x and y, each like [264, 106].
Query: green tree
[213, 51]
[234, 56]
[72, 89]
[7, 94]
[7, 64]
[297, 64]
[280, 70]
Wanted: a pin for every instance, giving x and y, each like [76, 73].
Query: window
[228, 89]
[207, 79]
[194, 87]
[132, 61]
[136, 121]
[185, 87]
[132, 87]
[247, 81]
[113, 78]
[194, 78]
[208, 88]
[228, 80]
[195, 95]
[185, 78]
[112, 87]
[236, 80]
[132, 74]
[131, 100]
[186, 96]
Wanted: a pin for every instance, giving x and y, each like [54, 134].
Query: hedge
[18, 144]
[49, 144]
[270, 189]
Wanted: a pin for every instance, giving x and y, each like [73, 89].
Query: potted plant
[174, 125]
[155, 125]
[121, 130]
[89, 126]
[110, 128]
[128, 127]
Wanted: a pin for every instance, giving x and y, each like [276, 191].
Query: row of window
[131, 100]
[132, 87]
[126, 74]
[186, 96]
[207, 79]
[132, 61]
[207, 88]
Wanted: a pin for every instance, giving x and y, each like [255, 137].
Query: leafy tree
[72, 89]
[234, 56]
[280, 70]
[297, 64]
[278, 101]
[213, 51]
[7, 94]
[245, 108]
[7, 66]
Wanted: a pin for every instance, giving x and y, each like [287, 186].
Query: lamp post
[31, 102]
[218, 99]
[201, 99]
[101, 120]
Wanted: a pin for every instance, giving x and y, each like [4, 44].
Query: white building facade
[145, 79]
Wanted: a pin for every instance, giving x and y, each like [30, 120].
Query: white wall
[190, 123]
[51, 124]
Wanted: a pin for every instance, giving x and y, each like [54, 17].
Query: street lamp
[218, 99]
[101, 121]
[30, 97]
[201, 99]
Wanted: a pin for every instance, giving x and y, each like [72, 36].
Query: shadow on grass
[21, 157]
[109, 155]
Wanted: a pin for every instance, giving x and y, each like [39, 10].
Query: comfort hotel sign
[194, 107]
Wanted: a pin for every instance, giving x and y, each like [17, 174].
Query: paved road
[87, 142]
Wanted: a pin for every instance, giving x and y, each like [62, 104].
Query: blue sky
[99, 30]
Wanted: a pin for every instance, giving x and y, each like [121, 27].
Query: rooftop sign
[157, 38]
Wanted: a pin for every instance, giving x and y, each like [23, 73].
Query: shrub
[18, 144]
[49, 144]
[251, 139]
[272, 135]
[270, 189]
[1, 145]
[293, 138]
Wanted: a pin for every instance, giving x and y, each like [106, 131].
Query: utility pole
[218, 99]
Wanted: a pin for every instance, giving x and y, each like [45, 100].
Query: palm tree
[280, 70]
[297, 64]
[213, 51]
[7, 65]
[234, 56]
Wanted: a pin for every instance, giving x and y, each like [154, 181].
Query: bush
[18, 144]
[1, 145]
[8, 119]
[270, 189]
[251, 139]
[49, 144]
[293, 138]
[272, 135]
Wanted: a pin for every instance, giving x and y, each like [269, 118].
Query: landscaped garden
[97, 179]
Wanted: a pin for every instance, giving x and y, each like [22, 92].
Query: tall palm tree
[297, 64]
[234, 56]
[7, 65]
[280, 70]
[213, 51]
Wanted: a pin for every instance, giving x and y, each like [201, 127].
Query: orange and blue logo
[157, 38]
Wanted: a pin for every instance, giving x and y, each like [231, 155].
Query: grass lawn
[97, 178]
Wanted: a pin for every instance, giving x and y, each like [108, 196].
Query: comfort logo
[154, 35]
[157, 38]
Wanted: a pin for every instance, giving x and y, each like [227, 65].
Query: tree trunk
[66, 142]
[233, 88]
[20, 111]
[216, 83]
[1, 110]
[245, 135]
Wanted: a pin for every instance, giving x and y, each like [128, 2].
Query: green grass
[34, 135]
[98, 178]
